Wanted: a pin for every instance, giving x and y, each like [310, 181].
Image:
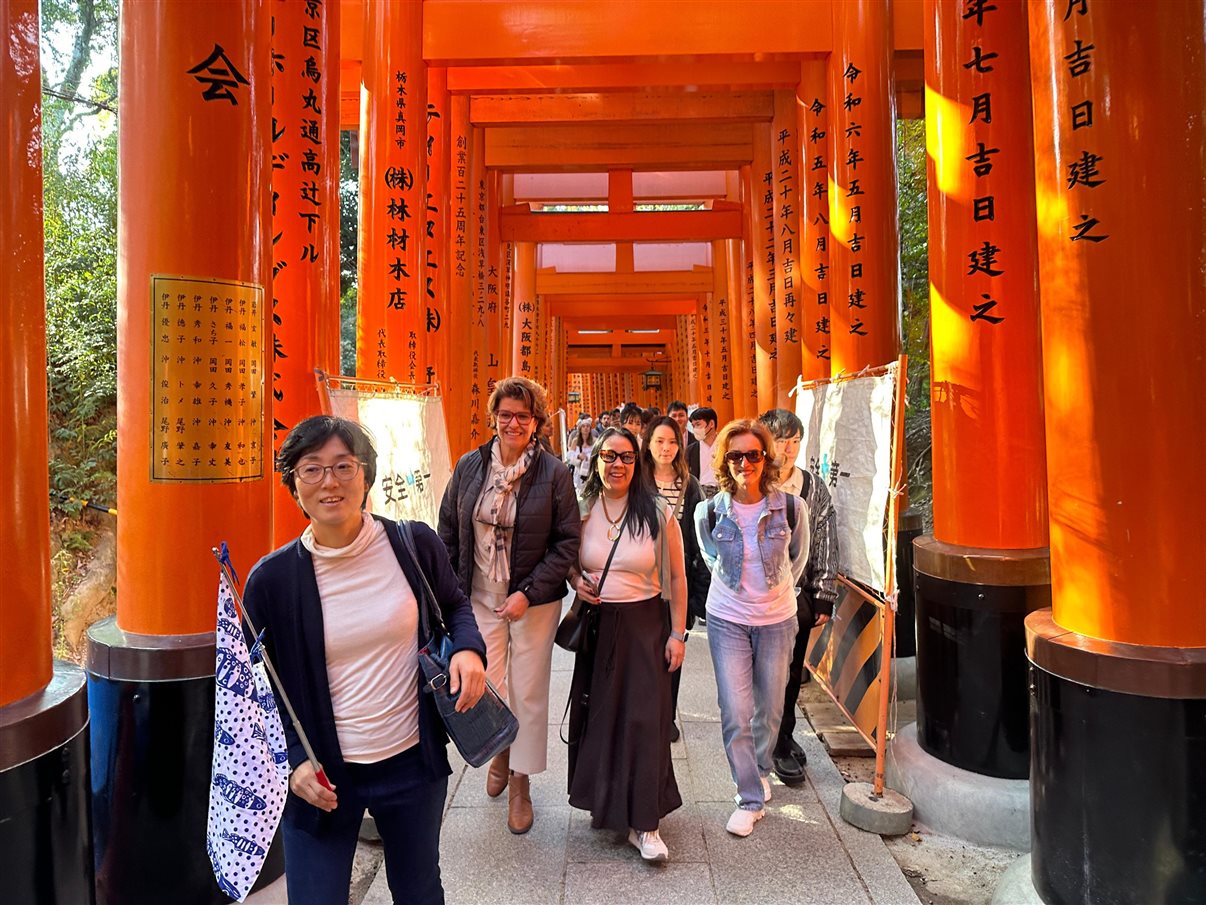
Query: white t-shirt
[753, 603]
[707, 474]
[370, 632]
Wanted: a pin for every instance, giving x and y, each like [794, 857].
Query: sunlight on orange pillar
[305, 223]
[198, 209]
[1121, 258]
[762, 213]
[435, 238]
[25, 660]
[816, 148]
[391, 304]
[789, 319]
[990, 479]
[864, 245]
[523, 311]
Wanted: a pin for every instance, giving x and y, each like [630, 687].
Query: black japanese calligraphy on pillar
[207, 381]
[855, 195]
[1085, 172]
[815, 255]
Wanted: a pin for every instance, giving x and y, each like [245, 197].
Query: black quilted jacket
[544, 544]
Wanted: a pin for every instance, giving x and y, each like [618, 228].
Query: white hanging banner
[847, 442]
[413, 463]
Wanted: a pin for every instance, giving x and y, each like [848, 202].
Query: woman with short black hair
[341, 622]
[509, 519]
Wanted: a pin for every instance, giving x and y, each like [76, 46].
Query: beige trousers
[519, 657]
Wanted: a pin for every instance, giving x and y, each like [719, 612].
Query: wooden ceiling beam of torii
[470, 31]
[604, 307]
[686, 77]
[578, 363]
[644, 283]
[546, 149]
[621, 108]
[620, 320]
[619, 338]
[724, 221]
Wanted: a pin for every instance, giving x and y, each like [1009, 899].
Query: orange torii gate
[769, 126]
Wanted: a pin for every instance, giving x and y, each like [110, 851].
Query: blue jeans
[407, 807]
[751, 663]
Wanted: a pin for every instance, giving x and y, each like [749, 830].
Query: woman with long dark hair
[664, 468]
[341, 622]
[620, 713]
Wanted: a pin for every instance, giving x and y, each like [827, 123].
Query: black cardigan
[282, 599]
[548, 526]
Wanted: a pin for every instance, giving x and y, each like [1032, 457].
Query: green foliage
[915, 288]
[349, 230]
[80, 212]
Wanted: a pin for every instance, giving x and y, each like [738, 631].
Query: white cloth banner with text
[413, 466]
[848, 442]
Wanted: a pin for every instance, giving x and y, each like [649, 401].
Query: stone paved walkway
[803, 853]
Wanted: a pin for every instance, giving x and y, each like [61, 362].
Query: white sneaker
[649, 844]
[741, 823]
[766, 789]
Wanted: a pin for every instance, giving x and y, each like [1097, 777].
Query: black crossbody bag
[572, 630]
[489, 726]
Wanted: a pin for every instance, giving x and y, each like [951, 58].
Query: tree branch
[106, 104]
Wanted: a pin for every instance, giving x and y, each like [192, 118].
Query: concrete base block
[905, 678]
[889, 815]
[1016, 886]
[970, 806]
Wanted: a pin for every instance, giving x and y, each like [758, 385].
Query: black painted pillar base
[1118, 807]
[45, 837]
[152, 703]
[909, 529]
[972, 692]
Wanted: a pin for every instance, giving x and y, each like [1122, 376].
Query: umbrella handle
[321, 776]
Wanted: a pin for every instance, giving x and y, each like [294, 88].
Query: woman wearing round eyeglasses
[755, 540]
[510, 521]
[664, 464]
[620, 715]
[341, 624]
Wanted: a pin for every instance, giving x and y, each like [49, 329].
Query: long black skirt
[620, 715]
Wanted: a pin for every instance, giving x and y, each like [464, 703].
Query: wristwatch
[679, 636]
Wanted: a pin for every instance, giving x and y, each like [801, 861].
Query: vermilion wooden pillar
[785, 187]
[457, 387]
[816, 148]
[986, 564]
[194, 445]
[523, 311]
[761, 211]
[864, 244]
[305, 223]
[476, 338]
[720, 333]
[748, 322]
[45, 837]
[1119, 678]
[496, 342]
[435, 238]
[392, 302]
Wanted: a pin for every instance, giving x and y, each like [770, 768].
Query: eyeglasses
[313, 473]
[753, 456]
[523, 419]
[610, 455]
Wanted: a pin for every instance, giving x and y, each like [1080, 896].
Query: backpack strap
[791, 510]
[711, 515]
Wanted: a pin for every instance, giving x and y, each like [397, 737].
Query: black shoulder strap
[806, 483]
[429, 608]
[711, 515]
[791, 510]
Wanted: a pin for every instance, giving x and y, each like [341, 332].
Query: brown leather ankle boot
[496, 777]
[519, 804]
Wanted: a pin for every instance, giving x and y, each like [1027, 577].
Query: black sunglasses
[753, 456]
[610, 455]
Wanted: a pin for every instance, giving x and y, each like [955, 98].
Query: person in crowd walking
[340, 620]
[755, 541]
[620, 712]
[678, 411]
[664, 465]
[632, 419]
[578, 450]
[818, 590]
[510, 521]
[700, 454]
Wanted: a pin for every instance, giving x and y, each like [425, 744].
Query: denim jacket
[782, 547]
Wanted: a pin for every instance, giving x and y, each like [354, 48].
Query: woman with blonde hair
[510, 521]
[755, 539]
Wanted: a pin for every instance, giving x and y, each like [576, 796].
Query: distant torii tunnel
[582, 192]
